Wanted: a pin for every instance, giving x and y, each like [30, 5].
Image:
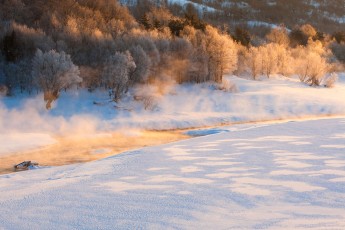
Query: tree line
[50, 45]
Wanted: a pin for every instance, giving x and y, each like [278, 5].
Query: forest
[325, 15]
[49, 45]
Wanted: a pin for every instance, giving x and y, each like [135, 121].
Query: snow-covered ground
[270, 176]
[180, 106]
[200, 7]
[260, 23]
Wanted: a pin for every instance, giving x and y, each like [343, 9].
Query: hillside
[326, 16]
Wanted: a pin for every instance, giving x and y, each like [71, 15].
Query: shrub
[330, 80]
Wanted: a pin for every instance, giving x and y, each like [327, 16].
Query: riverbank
[83, 148]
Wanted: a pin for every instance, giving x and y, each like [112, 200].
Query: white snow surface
[261, 23]
[200, 7]
[270, 176]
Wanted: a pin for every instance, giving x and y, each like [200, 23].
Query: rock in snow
[25, 165]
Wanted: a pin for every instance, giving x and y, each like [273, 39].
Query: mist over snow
[12, 142]
[171, 106]
[28, 115]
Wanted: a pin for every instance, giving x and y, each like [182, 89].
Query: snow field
[273, 176]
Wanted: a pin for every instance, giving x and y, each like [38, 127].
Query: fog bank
[171, 107]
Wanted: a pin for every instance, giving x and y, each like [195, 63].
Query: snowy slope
[279, 176]
[200, 7]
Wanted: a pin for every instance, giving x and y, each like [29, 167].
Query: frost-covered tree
[143, 65]
[222, 52]
[269, 58]
[116, 73]
[317, 47]
[308, 30]
[279, 36]
[330, 80]
[310, 66]
[199, 60]
[53, 71]
[179, 64]
[156, 18]
[253, 61]
[116, 27]
[146, 42]
[284, 60]
[301, 35]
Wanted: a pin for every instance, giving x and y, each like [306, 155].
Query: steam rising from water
[31, 116]
[173, 106]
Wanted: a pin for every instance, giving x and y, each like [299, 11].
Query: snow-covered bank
[182, 106]
[284, 176]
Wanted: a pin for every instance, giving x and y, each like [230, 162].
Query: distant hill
[327, 16]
